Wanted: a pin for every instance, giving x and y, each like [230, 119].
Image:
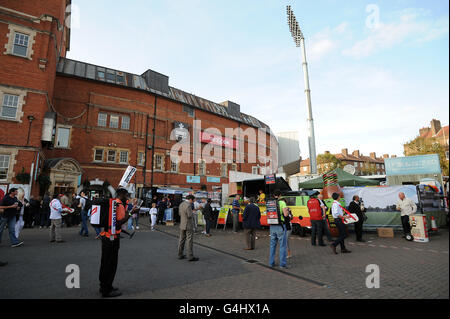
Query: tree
[423, 146]
[327, 162]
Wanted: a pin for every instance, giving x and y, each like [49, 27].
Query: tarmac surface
[149, 269]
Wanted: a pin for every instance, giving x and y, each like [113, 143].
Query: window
[234, 167]
[111, 156]
[141, 159]
[125, 122]
[123, 157]
[110, 77]
[9, 105]
[4, 166]
[20, 46]
[63, 137]
[158, 166]
[98, 155]
[355, 164]
[120, 79]
[262, 171]
[174, 167]
[446, 155]
[224, 170]
[114, 121]
[101, 75]
[255, 170]
[189, 110]
[305, 168]
[102, 118]
[201, 167]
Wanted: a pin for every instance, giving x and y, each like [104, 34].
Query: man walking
[355, 208]
[338, 215]
[84, 200]
[10, 206]
[278, 233]
[45, 210]
[316, 216]
[407, 207]
[236, 208]
[186, 229]
[56, 219]
[251, 221]
[325, 229]
[110, 247]
[208, 216]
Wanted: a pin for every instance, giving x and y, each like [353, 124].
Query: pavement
[149, 269]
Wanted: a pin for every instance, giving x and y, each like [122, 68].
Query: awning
[174, 190]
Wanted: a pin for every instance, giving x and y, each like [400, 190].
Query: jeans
[326, 231]
[84, 219]
[278, 234]
[235, 221]
[208, 225]
[342, 233]
[45, 221]
[316, 231]
[11, 222]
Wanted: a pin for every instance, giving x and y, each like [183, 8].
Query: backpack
[87, 204]
[100, 212]
[284, 220]
[314, 209]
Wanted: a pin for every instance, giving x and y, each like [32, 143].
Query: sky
[378, 70]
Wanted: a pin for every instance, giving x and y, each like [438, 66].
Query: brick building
[364, 165]
[81, 124]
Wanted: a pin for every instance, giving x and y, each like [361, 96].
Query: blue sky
[374, 82]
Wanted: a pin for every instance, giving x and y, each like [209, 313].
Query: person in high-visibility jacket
[110, 247]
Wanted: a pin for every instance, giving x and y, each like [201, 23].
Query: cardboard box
[385, 232]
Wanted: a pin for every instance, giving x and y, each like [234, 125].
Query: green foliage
[22, 177]
[44, 182]
[327, 162]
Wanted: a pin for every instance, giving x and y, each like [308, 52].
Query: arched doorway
[64, 175]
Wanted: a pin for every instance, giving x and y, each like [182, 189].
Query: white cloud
[411, 28]
[325, 41]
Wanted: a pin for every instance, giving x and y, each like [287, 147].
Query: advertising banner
[412, 165]
[127, 176]
[271, 212]
[193, 179]
[419, 229]
[218, 140]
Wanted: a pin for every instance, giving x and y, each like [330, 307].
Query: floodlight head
[297, 34]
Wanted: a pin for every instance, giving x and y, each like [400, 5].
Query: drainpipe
[153, 141]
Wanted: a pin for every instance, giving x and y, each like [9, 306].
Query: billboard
[413, 165]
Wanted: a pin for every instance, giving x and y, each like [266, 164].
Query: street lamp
[299, 40]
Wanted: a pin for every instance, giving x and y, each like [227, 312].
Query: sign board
[127, 176]
[218, 140]
[271, 212]
[419, 229]
[193, 179]
[270, 179]
[95, 214]
[413, 165]
[213, 179]
[113, 217]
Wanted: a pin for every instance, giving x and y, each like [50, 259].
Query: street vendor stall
[344, 179]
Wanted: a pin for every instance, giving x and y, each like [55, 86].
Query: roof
[91, 71]
[344, 179]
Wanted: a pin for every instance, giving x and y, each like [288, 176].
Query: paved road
[148, 267]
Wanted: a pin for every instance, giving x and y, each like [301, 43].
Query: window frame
[201, 170]
[122, 122]
[177, 166]
[111, 117]
[27, 46]
[115, 156]
[155, 163]
[16, 29]
[95, 155]
[58, 127]
[106, 119]
[16, 98]
[224, 170]
[7, 172]
[141, 161]
[120, 157]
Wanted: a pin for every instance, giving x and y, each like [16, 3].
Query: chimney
[386, 156]
[233, 108]
[327, 152]
[345, 151]
[373, 155]
[435, 126]
[356, 153]
[424, 130]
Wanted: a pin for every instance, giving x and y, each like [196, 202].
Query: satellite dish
[349, 169]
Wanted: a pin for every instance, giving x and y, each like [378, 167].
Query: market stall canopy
[344, 179]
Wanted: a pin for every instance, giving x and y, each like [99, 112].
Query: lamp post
[299, 40]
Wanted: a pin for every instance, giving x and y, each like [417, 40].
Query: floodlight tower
[299, 40]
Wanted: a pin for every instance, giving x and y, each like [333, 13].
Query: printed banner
[271, 212]
[223, 215]
[127, 176]
[95, 214]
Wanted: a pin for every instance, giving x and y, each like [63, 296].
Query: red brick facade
[78, 100]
